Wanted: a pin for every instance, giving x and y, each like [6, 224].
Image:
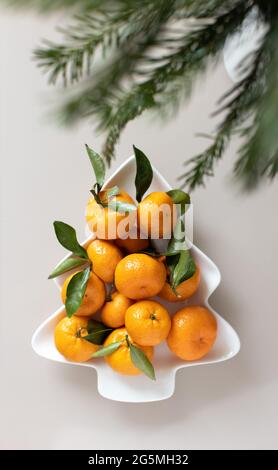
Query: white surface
[141, 389]
[45, 176]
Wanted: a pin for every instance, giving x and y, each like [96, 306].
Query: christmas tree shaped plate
[140, 388]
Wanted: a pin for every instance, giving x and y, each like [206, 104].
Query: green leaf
[179, 197]
[67, 237]
[98, 166]
[183, 268]
[141, 361]
[171, 261]
[179, 261]
[66, 265]
[120, 206]
[144, 173]
[105, 199]
[94, 192]
[94, 325]
[106, 351]
[98, 337]
[76, 290]
[114, 191]
[98, 332]
[178, 238]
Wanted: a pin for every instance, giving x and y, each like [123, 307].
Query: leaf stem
[127, 341]
[78, 334]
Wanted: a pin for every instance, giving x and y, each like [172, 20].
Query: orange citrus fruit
[193, 333]
[147, 322]
[157, 215]
[68, 339]
[105, 256]
[133, 244]
[113, 311]
[104, 221]
[94, 296]
[185, 290]
[138, 276]
[120, 360]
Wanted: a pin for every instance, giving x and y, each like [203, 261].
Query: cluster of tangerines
[118, 279]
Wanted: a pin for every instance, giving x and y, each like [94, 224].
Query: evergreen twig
[152, 51]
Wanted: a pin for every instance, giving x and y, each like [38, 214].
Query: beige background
[45, 176]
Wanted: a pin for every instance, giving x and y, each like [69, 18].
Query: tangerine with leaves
[122, 350]
[138, 276]
[106, 211]
[94, 296]
[183, 291]
[111, 217]
[68, 337]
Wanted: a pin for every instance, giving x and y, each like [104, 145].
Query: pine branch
[107, 98]
[258, 155]
[81, 39]
[163, 89]
[151, 56]
[52, 5]
[192, 54]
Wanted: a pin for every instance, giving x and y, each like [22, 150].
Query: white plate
[139, 388]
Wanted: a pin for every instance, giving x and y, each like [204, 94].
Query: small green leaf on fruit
[114, 191]
[141, 361]
[180, 197]
[67, 265]
[107, 350]
[97, 337]
[184, 267]
[94, 325]
[178, 240]
[97, 332]
[76, 291]
[98, 166]
[66, 235]
[94, 192]
[144, 173]
[120, 206]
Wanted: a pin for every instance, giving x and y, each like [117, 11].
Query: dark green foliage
[151, 56]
